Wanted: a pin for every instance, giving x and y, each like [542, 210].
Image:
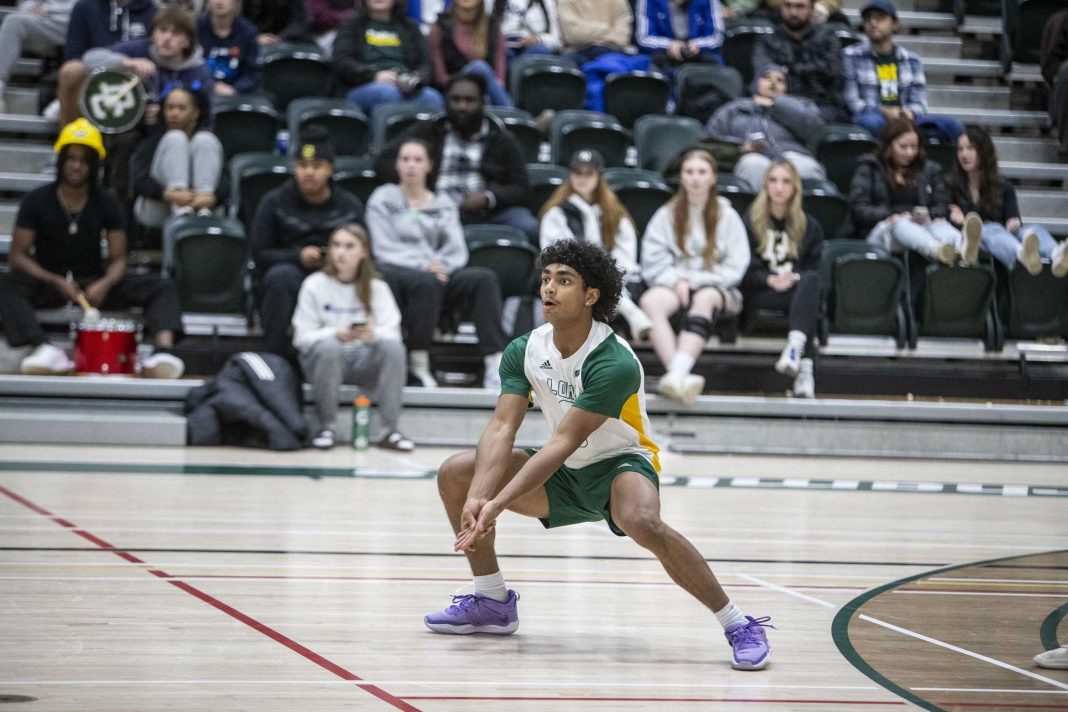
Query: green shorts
[581, 495]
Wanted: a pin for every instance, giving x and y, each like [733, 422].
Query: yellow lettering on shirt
[377, 38]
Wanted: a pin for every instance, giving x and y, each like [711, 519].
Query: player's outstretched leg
[635, 507]
[492, 608]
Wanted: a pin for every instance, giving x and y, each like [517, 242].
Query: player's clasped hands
[477, 519]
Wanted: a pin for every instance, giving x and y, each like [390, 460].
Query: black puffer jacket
[869, 194]
[254, 401]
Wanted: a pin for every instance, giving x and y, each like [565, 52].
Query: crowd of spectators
[318, 250]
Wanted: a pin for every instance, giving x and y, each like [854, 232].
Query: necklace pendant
[72, 229]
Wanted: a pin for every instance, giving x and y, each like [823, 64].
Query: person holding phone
[346, 328]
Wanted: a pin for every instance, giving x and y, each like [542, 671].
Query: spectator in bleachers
[383, 57]
[37, 25]
[278, 20]
[694, 255]
[771, 125]
[419, 246]
[177, 169]
[883, 80]
[977, 188]
[56, 257]
[329, 15]
[812, 55]
[899, 200]
[590, 28]
[530, 27]
[95, 23]
[230, 47]
[477, 164]
[585, 208]
[346, 329]
[783, 275]
[468, 40]
[674, 33]
[1053, 58]
[289, 233]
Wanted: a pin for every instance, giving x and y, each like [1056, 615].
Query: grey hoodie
[404, 237]
[789, 124]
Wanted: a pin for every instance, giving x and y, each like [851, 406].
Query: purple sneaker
[750, 644]
[475, 613]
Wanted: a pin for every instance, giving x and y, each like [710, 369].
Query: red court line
[649, 699]
[230, 611]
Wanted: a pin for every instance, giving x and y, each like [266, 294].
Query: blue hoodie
[654, 31]
[102, 23]
[231, 59]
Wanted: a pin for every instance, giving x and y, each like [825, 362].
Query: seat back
[956, 301]
[550, 86]
[393, 118]
[208, 259]
[252, 175]
[739, 40]
[659, 139]
[572, 130]
[703, 88]
[348, 127]
[837, 147]
[522, 128]
[357, 175]
[1038, 305]
[294, 71]
[544, 180]
[737, 190]
[829, 207]
[506, 251]
[868, 291]
[244, 124]
[629, 96]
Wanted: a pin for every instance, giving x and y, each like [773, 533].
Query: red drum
[107, 347]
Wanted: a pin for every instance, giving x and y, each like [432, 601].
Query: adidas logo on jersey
[546, 365]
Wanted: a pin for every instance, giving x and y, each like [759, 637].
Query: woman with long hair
[694, 255]
[468, 40]
[420, 248]
[978, 191]
[346, 328]
[899, 200]
[783, 274]
[177, 169]
[585, 208]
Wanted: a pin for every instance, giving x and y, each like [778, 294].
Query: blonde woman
[694, 255]
[783, 274]
[585, 208]
[346, 328]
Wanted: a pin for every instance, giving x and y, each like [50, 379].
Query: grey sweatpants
[379, 365]
[23, 31]
[181, 163]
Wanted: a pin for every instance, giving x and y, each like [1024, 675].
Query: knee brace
[699, 325]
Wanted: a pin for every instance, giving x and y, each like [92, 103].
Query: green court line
[1048, 632]
[842, 619]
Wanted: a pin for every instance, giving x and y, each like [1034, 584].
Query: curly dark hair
[597, 268]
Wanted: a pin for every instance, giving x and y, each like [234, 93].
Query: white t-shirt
[603, 376]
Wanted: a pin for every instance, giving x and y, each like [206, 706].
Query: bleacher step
[997, 118]
[26, 124]
[24, 157]
[975, 68]
[23, 182]
[912, 20]
[1048, 203]
[969, 97]
[81, 425]
[931, 47]
[1013, 148]
[21, 100]
[1029, 170]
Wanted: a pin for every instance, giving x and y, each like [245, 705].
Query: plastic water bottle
[361, 423]
[281, 142]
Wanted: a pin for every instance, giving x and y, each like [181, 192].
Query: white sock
[797, 339]
[492, 586]
[419, 363]
[681, 364]
[806, 366]
[729, 616]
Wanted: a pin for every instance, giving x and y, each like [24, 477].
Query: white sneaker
[1027, 254]
[789, 361]
[46, 360]
[324, 440]
[419, 366]
[692, 386]
[51, 112]
[804, 382]
[162, 365]
[1059, 259]
[973, 234]
[1053, 659]
[670, 386]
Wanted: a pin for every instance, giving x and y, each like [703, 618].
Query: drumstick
[122, 91]
[91, 312]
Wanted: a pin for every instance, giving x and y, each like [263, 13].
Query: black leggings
[801, 303]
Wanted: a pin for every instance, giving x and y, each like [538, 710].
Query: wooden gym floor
[219, 579]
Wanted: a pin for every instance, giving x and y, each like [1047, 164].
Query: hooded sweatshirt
[664, 265]
[102, 23]
[410, 238]
[231, 59]
[186, 71]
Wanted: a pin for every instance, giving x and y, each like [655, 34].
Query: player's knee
[454, 474]
[645, 528]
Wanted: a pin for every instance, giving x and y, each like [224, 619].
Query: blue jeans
[495, 92]
[949, 127]
[1002, 244]
[912, 236]
[370, 95]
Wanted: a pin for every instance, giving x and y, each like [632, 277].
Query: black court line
[444, 555]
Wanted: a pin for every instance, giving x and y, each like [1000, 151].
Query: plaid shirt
[460, 163]
[862, 83]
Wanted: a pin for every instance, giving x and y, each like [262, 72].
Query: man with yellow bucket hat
[56, 259]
